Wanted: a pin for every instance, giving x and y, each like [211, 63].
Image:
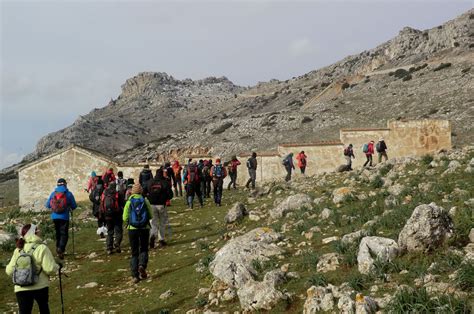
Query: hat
[137, 189]
[62, 182]
[93, 174]
[218, 160]
[381, 139]
[350, 145]
[146, 166]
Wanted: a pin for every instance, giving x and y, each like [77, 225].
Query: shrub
[442, 66]
[201, 302]
[310, 259]
[385, 169]
[462, 226]
[401, 73]
[465, 277]
[206, 260]
[407, 78]
[359, 282]
[306, 120]
[345, 86]
[317, 279]
[377, 182]
[426, 159]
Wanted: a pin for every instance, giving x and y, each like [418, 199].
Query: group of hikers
[142, 206]
[368, 149]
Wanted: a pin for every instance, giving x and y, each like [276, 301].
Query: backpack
[107, 178]
[128, 193]
[377, 147]
[138, 217]
[155, 189]
[206, 171]
[24, 270]
[303, 161]
[285, 161]
[365, 148]
[95, 194]
[218, 171]
[58, 202]
[249, 164]
[121, 186]
[346, 151]
[110, 203]
[192, 173]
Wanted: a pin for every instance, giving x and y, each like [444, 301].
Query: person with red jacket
[108, 177]
[369, 153]
[233, 164]
[218, 173]
[92, 182]
[301, 158]
[178, 182]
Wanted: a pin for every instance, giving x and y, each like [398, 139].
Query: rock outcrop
[383, 249]
[291, 203]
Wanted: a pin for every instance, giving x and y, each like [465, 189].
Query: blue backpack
[217, 173]
[365, 148]
[138, 213]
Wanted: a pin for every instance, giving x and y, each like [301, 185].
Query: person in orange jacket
[218, 173]
[178, 182]
[301, 158]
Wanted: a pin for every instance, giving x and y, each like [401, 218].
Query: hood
[33, 239]
[146, 170]
[176, 164]
[60, 188]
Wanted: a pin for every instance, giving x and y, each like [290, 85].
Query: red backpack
[58, 202]
[192, 173]
[109, 204]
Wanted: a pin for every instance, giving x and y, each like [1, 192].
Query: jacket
[301, 160]
[177, 169]
[145, 176]
[224, 172]
[370, 149]
[382, 146]
[289, 159]
[71, 203]
[252, 163]
[108, 177]
[91, 183]
[233, 165]
[126, 211]
[44, 261]
[115, 195]
[165, 194]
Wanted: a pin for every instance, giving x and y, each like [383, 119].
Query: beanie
[137, 189]
[62, 182]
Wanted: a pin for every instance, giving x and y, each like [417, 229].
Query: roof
[363, 129]
[261, 154]
[84, 150]
[320, 143]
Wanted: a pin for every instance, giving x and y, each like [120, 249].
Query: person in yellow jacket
[137, 214]
[31, 243]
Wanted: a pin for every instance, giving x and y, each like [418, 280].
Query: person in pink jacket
[369, 153]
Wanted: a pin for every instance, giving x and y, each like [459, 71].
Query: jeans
[233, 180]
[207, 192]
[384, 155]
[369, 160]
[288, 173]
[159, 222]
[25, 300]
[62, 234]
[139, 246]
[114, 231]
[176, 184]
[218, 185]
[252, 178]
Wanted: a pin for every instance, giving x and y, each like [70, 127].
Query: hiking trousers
[159, 222]
[218, 185]
[139, 246]
[384, 155]
[303, 169]
[26, 299]
[191, 191]
[62, 234]
[369, 160]
[233, 180]
[208, 187]
[177, 184]
[114, 231]
[288, 173]
[252, 178]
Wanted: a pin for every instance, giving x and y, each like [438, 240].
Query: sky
[61, 59]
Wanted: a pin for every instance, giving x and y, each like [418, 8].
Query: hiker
[168, 173]
[159, 192]
[349, 154]
[218, 173]
[111, 212]
[128, 192]
[207, 178]
[44, 264]
[95, 197]
[177, 175]
[302, 161]
[289, 166]
[145, 176]
[61, 202]
[202, 178]
[108, 177]
[137, 213]
[252, 168]
[381, 148]
[368, 149]
[92, 182]
[192, 184]
[233, 164]
[121, 185]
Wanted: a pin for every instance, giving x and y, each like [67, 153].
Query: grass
[465, 277]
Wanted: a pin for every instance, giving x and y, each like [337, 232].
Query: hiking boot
[109, 252]
[142, 271]
[60, 253]
[118, 250]
[136, 280]
[162, 243]
[152, 242]
[102, 235]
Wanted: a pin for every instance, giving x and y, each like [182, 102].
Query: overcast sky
[61, 59]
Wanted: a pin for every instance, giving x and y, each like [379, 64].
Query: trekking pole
[72, 228]
[61, 290]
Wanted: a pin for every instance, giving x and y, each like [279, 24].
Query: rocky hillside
[417, 74]
[394, 238]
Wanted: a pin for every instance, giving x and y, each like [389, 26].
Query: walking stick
[61, 290]
[72, 228]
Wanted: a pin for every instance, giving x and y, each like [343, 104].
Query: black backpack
[96, 194]
[155, 189]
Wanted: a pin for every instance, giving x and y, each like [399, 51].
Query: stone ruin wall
[39, 180]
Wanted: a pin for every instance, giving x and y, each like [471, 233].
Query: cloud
[301, 47]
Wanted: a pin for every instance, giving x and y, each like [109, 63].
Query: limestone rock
[328, 262]
[340, 194]
[263, 295]
[91, 285]
[166, 295]
[232, 264]
[330, 239]
[471, 235]
[365, 305]
[353, 236]
[318, 299]
[395, 189]
[346, 305]
[383, 248]
[291, 203]
[237, 212]
[325, 214]
[427, 228]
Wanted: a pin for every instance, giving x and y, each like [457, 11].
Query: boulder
[340, 194]
[383, 249]
[365, 305]
[254, 295]
[427, 228]
[291, 203]
[353, 236]
[346, 305]
[328, 262]
[318, 299]
[237, 212]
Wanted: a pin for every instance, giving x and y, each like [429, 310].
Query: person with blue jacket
[61, 202]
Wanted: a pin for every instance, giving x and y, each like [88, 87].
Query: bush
[310, 259]
[345, 86]
[201, 302]
[465, 277]
[426, 159]
[401, 73]
[317, 279]
[359, 282]
[377, 182]
[385, 169]
[306, 120]
[442, 66]
[407, 78]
